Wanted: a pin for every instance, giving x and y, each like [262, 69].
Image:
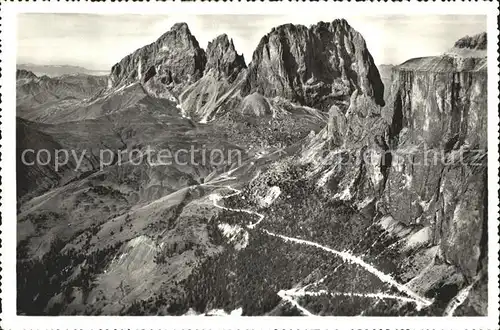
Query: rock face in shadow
[317, 66]
[165, 66]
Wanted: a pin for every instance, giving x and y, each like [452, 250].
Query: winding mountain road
[291, 294]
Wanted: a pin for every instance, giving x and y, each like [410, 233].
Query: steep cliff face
[317, 66]
[442, 101]
[438, 170]
[386, 76]
[165, 66]
[418, 168]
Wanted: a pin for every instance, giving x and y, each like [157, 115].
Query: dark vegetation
[38, 280]
[252, 277]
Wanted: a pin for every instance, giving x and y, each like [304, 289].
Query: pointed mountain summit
[223, 58]
[169, 64]
[316, 66]
[219, 87]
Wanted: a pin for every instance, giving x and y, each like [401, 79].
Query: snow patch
[235, 234]
[183, 112]
[139, 69]
[123, 88]
[344, 195]
[365, 202]
[272, 194]
[408, 180]
[425, 205]
[421, 237]
[324, 178]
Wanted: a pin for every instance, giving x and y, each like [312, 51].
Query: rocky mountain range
[332, 210]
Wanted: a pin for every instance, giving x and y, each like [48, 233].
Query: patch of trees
[171, 302]
[106, 191]
[40, 279]
[252, 277]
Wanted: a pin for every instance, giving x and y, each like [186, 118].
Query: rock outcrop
[478, 41]
[317, 66]
[165, 67]
[255, 105]
[386, 76]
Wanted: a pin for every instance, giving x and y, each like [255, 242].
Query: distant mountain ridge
[59, 70]
[42, 98]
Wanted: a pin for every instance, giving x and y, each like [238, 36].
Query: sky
[97, 42]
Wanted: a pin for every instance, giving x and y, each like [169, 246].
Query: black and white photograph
[252, 165]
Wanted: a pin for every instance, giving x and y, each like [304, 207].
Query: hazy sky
[99, 41]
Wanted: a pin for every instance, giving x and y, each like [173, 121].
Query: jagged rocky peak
[174, 61]
[25, 74]
[223, 59]
[478, 41]
[316, 66]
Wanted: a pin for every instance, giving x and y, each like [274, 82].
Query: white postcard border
[10, 320]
